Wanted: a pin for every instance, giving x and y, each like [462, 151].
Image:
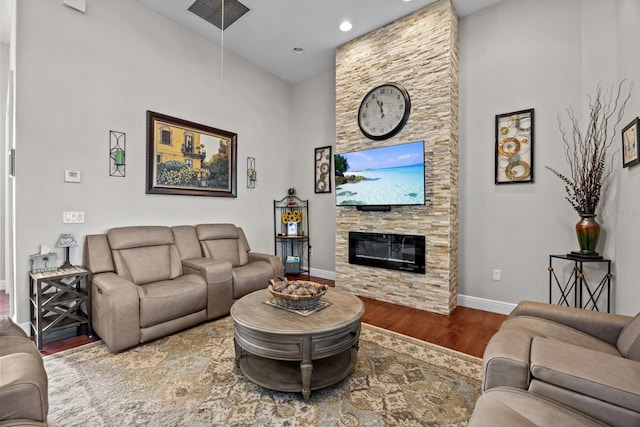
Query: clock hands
[380, 104]
[389, 113]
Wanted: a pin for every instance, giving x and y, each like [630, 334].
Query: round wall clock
[384, 111]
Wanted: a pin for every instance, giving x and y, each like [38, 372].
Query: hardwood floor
[4, 303]
[466, 329]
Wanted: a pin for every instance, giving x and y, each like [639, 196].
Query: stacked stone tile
[420, 52]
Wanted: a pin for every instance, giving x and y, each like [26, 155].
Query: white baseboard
[485, 304]
[463, 300]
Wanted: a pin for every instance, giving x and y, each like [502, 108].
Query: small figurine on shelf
[292, 196]
[44, 261]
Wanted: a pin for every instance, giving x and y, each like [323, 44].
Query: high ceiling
[268, 33]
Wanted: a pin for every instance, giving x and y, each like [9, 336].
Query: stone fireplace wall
[420, 52]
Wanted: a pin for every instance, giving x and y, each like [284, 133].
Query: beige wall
[547, 55]
[81, 75]
[420, 53]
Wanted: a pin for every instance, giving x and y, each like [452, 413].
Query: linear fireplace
[393, 251]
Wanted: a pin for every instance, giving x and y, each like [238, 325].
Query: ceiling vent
[211, 11]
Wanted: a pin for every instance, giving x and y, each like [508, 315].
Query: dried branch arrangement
[587, 152]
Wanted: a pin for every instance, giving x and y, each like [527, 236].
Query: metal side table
[578, 283]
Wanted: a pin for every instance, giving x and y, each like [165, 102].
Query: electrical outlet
[496, 274]
[73, 217]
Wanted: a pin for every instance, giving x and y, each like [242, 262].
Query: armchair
[24, 399]
[586, 360]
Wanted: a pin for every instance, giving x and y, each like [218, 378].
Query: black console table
[577, 283]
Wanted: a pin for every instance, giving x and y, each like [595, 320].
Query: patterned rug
[190, 379]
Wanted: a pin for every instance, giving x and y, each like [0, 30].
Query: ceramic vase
[588, 232]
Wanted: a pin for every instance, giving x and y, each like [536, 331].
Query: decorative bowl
[296, 295]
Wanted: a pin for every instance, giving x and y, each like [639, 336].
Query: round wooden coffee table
[286, 351]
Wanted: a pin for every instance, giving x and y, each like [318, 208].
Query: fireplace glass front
[392, 251]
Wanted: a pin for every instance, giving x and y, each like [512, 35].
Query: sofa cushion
[251, 277]
[222, 242]
[505, 406]
[144, 254]
[216, 231]
[603, 326]
[137, 236]
[148, 264]
[223, 250]
[537, 327]
[186, 240]
[97, 254]
[170, 299]
[17, 344]
[244, 243]
[613, 415]
[615, 380]
[9, 328]
[629, 340]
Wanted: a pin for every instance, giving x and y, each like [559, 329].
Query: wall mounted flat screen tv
[386, 176]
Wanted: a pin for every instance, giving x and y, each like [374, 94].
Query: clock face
[384, 111]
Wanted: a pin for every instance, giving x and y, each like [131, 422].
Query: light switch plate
[72, 176]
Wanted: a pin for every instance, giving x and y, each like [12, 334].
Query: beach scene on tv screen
[392, 175]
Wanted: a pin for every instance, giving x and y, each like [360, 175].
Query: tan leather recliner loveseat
[149, 281]
[586, 361]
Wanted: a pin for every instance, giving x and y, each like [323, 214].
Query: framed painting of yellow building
[189, 159]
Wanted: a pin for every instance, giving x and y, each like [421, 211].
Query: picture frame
[322, 167]
[189, 159]
[630, 139]
[514, 147]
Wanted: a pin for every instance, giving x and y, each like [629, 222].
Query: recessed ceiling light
[346, 26]
[298, 50]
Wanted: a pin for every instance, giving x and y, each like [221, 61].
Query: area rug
[190, 379]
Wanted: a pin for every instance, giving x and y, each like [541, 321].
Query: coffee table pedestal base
[294, 376]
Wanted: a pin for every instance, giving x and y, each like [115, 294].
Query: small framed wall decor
[630, 137]
[514, 147]
[323, 169]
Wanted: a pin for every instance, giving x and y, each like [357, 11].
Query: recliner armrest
[23, 389]
[604, 326]
[506, 361]
[275, 262]
[214, 271]
[115, 308]
[605, 377]
[219, 277]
